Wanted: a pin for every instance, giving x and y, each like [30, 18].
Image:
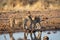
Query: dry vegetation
[40, 5]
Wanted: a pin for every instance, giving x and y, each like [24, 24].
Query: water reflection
[52, 36]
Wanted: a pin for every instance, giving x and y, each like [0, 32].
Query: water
[52, 36]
